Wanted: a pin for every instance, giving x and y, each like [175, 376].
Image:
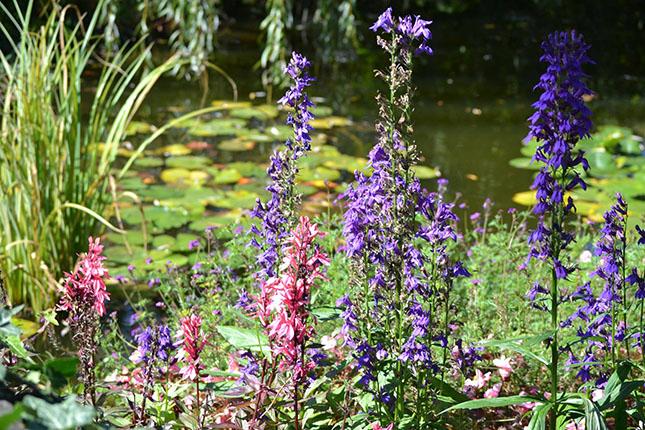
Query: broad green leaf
[538, 417]
[492, 403]
[65, 415]
[244, 338]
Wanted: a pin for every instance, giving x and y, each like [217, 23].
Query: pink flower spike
[85, 287]
[283, 303]
[192, 344]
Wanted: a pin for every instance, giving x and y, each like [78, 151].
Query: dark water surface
[472, 101]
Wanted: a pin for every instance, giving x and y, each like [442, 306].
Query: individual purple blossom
[194, 244]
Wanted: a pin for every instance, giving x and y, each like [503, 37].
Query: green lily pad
[174, 149]
[321, 111]
[263, 112]
[280, 132]
[159, 192]
[166, 218]
[318, 174]
[133, 237]
[425, 172]
[217, 127]
[237, 144]
[248, 169]
[190, 162]
[330, 122]
[148, 162]
[524, 163]
[182, 241]
[225, 176]
[228, 104]
[139, 127]
[132, 184]
[163, 241]
[233, 199]
[226, 218]
[184, 177]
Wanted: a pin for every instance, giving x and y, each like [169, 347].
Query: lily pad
[319, 173]
[218, 127]
[263, 112]
[190, 162]
[139, 127]
[237, 144]
[148, 162]
[425, 172]
[228, 104]
[174, 149]
[184, 177]
[225, 176]
[330, 122]
[233, 199]
[248, 169]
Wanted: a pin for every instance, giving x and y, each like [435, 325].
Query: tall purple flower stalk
[604, 317]
[154, 354]
[561, 119]
[278, 215]
[391, 319]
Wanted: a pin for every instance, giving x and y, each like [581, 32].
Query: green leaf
[244, 338]
[67, 414]
[16, 347]
[11, 417]
[513, 346]
[593, 417]
[492, 403]
[7, 328]
[538, 418]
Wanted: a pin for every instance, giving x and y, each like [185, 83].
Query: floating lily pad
[184, 177]
[233, 199]
[225, 176]
[280, 132]
[228, 104]
[263, 112]
[159, 192]
[248, 169]
[526, 198]
[163, 241]
[174, 149]
[425, 172]
[133, 237]
[188, 162]
[148, 162]
[182, 241]
[330, 122]
[237, 144]
[524, 163]
[217, 127]
[166, 218]
[139, 127]
[319, 173]
[223, 219]
[321, 111]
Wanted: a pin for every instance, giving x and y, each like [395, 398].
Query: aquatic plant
[59, 142]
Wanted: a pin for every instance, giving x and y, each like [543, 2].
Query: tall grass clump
[58, 140]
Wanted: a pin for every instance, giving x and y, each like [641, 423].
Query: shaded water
[472, 101]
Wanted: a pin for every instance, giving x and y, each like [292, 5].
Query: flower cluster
[85, 287]
[604, 317]
[390, 224]
[278, 214]
[154, 346]
[83, 296]
[409, 29]
[283, 305]
[560, 120]
[192, 344]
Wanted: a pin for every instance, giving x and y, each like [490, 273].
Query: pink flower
[377, 426]
[193, 343]
[479, 381]
[284, 301]
[86, 285]
[503, 365]
[493, 392]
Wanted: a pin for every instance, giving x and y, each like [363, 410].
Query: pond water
[472, 101]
